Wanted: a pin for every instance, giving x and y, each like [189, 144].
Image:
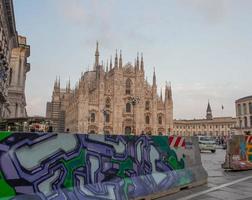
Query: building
[8, 41]
[244, 115]
[213, 126]
[18, 69]
[26, 124]
[115, 98]
[48, 109]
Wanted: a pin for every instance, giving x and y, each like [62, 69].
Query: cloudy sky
[203, 47]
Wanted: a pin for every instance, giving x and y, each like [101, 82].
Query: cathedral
[112, 99]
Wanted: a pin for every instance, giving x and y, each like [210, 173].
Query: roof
[244, 98]
[214, 120]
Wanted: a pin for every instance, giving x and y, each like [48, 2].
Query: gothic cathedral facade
[112, 99]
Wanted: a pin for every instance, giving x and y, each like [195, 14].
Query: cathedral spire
[142, 62]
[137, 62]
[116, 60]
[170, 91]
[107, 66]
[166, 91]
[69, 84]
[110, 65]
[55, 83]
[154, 83]
[161, 94]
[59, 82]
[97, 55]
[120, 59]
[135, 65]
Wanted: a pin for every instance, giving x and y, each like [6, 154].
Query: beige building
[18, 69]
[115, 98]
[244, 115]
[8, 41]
[213, 126]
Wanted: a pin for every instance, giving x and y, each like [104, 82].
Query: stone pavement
[222, 185]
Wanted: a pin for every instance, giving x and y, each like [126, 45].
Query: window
[250, 108]
[147, 119]
[128, 86]
[107, 103]
[245, 122]
[16, 110]
[244, 109]
[92, 117]
[160, 121]
[147, 105]
[107, 117]
[128, 107]
[239, 109]
[250, 121]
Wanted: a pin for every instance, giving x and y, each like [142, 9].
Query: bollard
[82, 166]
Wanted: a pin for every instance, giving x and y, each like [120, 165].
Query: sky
[204, 48]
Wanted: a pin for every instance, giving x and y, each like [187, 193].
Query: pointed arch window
[107, 117]
[108, 103]
[147, 105]
[128, 87]
[147, 119]
[92, 117]
[160, 120]
[128, 107]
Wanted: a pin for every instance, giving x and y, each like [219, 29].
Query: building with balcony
[8, 41]
[244, 115]
[19, 67]
[211, 126]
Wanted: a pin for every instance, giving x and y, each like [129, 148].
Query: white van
[207, 143]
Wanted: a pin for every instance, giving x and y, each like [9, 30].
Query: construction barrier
[238, 153]
[82, 166]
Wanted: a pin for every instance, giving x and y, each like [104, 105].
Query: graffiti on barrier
[71, 166]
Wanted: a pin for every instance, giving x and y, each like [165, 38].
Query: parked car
[207, 143]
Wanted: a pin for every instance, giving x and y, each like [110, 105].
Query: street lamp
[134, 101]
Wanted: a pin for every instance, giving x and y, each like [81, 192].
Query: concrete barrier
[238, 153]
[81, 166]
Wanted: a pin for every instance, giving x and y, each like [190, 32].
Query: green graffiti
[6, 191]
[127, 182]
[4, 135]
[71, 166]
[171, 158]
[123, 166]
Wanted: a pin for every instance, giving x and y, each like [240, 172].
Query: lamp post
[134, 101]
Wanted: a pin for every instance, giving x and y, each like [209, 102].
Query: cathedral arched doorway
[127, 130]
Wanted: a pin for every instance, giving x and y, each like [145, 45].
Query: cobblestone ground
[222, 185]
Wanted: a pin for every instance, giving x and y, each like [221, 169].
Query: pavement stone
[217, 177]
